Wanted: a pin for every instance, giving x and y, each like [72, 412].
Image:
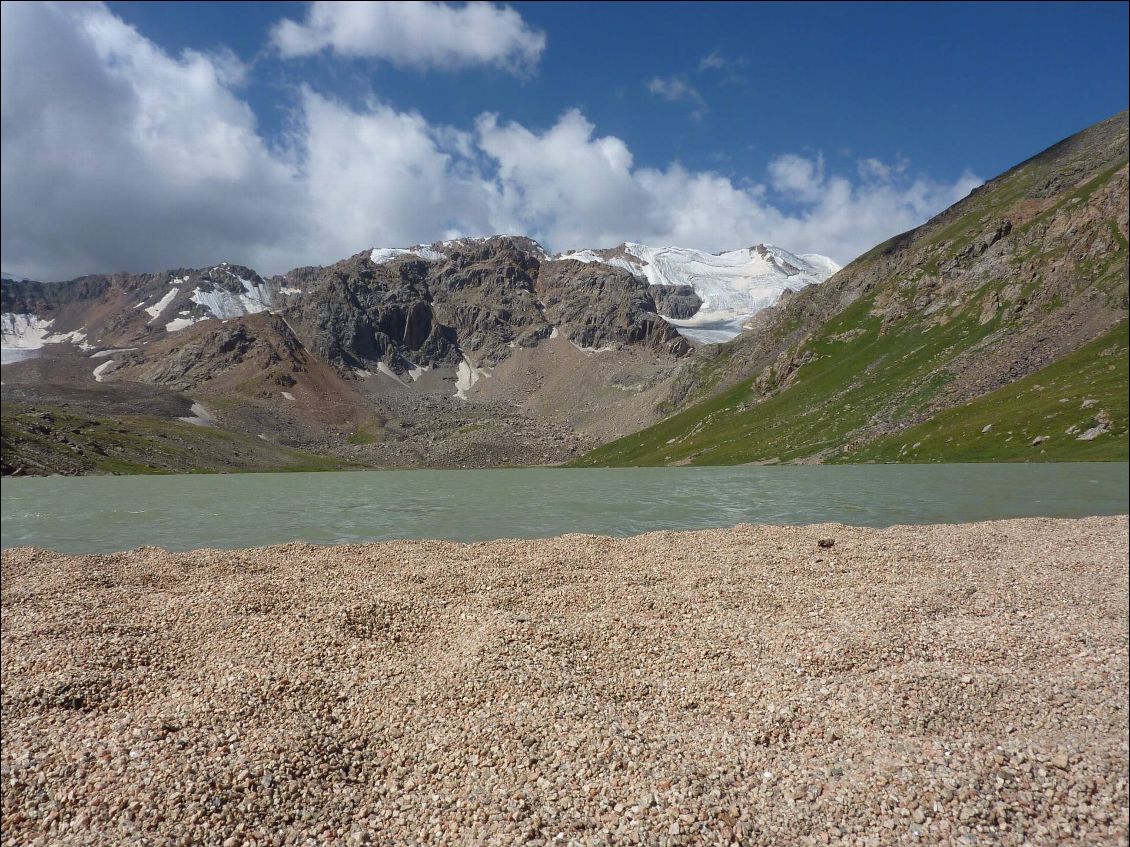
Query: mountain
[474, 351]
[995, 331]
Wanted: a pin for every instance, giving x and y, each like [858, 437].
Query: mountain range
[997, 330]
[474, 351]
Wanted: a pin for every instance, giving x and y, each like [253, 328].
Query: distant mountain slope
[924, 335]
[473, 351]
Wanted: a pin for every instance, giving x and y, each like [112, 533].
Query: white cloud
[415, 34]
[118, 156]
[675, 89]
[798, 176]
[562, 183]
[570, 189]
[712, 61]
[115, 154]
[382, 177]
[876, 169]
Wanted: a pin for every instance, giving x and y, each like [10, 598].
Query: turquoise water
[99, 514]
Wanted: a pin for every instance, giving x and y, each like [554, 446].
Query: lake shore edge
[762, 684]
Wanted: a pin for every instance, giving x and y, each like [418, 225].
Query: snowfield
[157, 308]
[25, 334]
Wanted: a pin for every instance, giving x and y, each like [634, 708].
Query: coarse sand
[948, 684]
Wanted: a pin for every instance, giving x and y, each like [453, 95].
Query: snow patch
[290, 291]
[417, 371]
[466, 377]
[155, 310]
[200, 416]
[102, 354]
[589, 256]
[8, 355]
[23, 335]
[24, 331]
[383, 255]
[611, 348]
[221, 303]
[100, 371]
[288, 395]
[361, 372]
[177, 324]
[554, 333]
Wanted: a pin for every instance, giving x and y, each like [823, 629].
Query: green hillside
[1009, 310]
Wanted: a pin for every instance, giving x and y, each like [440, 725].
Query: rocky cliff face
[598, 306]
[472, 299]
[676, 301]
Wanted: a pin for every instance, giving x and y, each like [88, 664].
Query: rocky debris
[485, 291]
[780, 375]
[826, 543]
[483, 435]
[44, 299]
[1102, 427]
[263, 343]
[946, 685]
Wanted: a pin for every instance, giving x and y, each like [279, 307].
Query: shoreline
[300, 546]
[565, 465]
[929, 683]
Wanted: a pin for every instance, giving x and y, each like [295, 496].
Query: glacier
[733, 286]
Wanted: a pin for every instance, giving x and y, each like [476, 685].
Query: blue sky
[822, 127]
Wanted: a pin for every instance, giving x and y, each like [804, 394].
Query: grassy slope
[132, 444]
[859, 376]
[1048, 403]
[818, 413]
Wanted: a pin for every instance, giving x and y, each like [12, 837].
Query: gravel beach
[947, 684]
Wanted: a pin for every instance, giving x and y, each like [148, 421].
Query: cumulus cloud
[381, 177]
[110, 148]
[675, 89]
[798, 176]
[876, 169]
[843, 219]
[119, 156]
[415, 34]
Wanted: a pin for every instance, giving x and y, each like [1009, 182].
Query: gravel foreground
[940, 684]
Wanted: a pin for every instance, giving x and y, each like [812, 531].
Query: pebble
[712, 687]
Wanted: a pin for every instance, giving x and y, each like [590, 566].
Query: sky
[148, 136]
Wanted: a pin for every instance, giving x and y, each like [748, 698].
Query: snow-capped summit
[733, 285]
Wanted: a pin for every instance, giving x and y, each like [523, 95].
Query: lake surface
[100, 514]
